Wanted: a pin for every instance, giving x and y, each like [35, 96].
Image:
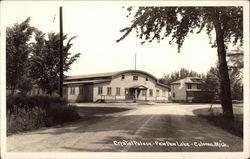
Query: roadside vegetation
[215, 117]
[32, 60]
[26, 113]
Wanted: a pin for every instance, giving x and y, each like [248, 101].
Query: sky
[97, 26]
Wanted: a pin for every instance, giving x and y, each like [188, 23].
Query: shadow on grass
[214, 116]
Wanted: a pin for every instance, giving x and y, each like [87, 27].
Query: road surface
[130, 128]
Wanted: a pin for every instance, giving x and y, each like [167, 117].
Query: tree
[211, 83]
[17, 51]
[236, 64]
[177, 75]
[44, 61]
[157, 23]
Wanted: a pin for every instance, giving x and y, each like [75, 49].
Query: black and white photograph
[124, 79]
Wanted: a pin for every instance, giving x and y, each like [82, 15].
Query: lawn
[214, 116]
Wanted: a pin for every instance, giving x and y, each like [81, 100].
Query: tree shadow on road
[146, 128]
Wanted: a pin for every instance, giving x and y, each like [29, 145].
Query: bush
[31, 112]
[204, 97]
[62, 113]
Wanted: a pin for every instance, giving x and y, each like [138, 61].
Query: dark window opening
[99, 90]
[151, 92]
[135, 77]
[109, 91]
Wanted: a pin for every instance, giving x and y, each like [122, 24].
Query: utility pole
[61, 52]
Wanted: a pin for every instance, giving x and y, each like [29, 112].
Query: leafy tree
[236, 64]
[25, 84]
[157, 23]
[211, 83]
[17, 51]
[177, 75]
[44, 61]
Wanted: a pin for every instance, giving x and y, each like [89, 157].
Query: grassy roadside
[32, 112]
[214, 116]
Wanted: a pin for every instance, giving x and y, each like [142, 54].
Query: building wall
[128, 82]
[79, 93]
[178, 92]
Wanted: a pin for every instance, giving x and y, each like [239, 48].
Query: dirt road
[130, 128]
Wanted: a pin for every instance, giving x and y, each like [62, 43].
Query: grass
[216, 118]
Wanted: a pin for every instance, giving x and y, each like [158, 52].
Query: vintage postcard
[124, 79]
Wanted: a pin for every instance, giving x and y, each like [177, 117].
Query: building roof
[88, 81]
[93, 78]
[188, 80]
[107, 74]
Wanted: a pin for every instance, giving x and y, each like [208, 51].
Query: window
[126, 91]
[80, 89]
[118, 91]
[72, 90]
[99, 90]
[109, 91]
[189, 86]
[157, 92]
[144, 92]
[173, 94]
[123, 76]
[151, 92]
[135, 77]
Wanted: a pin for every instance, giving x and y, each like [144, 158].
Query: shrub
[31, 112]
[204, 97]
[62, 113]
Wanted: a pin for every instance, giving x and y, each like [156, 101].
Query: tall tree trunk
[226, 99]
[12, 90]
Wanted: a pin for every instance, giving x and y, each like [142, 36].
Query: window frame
[72, 90]
[135, 77]
[151, 94]
[100, 90]
[109, 90]
[123, 77]
[118, 91]
[126, 90]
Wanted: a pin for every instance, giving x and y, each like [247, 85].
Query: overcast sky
[97, 26]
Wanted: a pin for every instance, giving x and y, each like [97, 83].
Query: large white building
[125, 85]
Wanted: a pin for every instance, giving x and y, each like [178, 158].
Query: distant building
[128, 85]
[186, 89]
